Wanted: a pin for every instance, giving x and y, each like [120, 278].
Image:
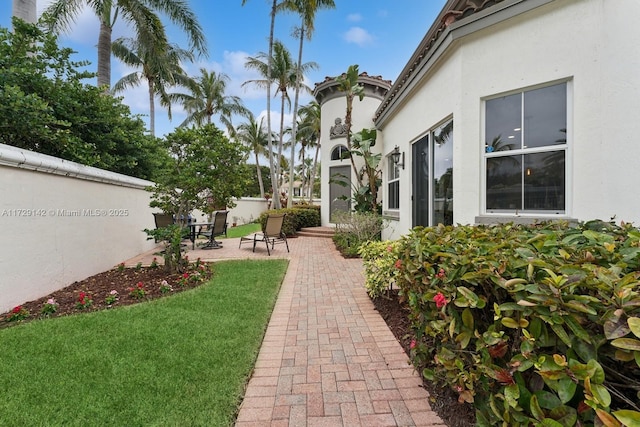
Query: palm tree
[25, 10]
[254, 136]
[348, 83]
[159, 65]
[307, 10]
[309, 128]
[284, 73]
[207, 97]
[272, 15]
[60, 14]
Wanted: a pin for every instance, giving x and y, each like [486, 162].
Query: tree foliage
[206, 171]
[46, 107]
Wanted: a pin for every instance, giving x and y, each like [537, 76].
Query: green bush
[295, 219]
[534, 325]
[379, 259]
[308, 215]
[355, 228]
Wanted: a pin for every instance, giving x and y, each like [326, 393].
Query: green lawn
[243, 230]
[178, 361]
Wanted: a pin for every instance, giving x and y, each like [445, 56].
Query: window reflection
[545, 116]
[531, 123]
[504, 183]
[443, 174]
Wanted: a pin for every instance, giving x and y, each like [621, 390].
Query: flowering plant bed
[117, 287]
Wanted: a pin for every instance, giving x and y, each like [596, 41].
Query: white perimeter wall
[57, 229]
[62, 222]
[587, 42]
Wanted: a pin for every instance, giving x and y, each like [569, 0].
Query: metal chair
[218, 228]
[271, 233]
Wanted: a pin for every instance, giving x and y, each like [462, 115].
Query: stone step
[326, 232]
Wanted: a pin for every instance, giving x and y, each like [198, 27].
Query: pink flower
[114, 292]
[440, 300]
[51, 301]
[398, 264]
[389, 248]
[413, 344]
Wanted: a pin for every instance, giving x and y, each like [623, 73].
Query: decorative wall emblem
[338, 130]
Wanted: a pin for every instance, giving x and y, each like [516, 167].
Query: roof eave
[439, 39]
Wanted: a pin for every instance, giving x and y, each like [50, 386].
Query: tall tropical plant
[307, 10]
[159, 65]
[272, 16]
[253, 135]
[207, 97]
[348, 84]
[284, 74]
[309, 129]
[142, 14]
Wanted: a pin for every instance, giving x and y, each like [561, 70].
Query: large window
[525, 151]
[393, 186]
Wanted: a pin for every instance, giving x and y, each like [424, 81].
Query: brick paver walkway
[328, 358]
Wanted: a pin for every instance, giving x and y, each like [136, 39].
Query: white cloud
[85, 28]
[354, 17]
[358, 36]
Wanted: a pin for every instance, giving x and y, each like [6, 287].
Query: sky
[378, 35]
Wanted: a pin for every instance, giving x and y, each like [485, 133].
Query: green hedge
[295, 219]
[534, 325]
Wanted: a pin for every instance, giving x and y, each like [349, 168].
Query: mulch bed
[442, 400]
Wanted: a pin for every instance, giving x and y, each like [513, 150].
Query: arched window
[339, 152]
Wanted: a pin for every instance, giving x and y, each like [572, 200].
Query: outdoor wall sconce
[395, 156]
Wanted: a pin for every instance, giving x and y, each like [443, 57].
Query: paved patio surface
[328, 358]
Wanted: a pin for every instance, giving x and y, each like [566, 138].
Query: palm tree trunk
[152, 109]
[274, 180]
[313, 171]
[347, 122]
[295, 115]
[104, 54]
[259, 176]
[25, 10]
[281, 143]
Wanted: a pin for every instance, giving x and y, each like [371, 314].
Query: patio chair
[271, 233]
[218, 228]
[162, 220]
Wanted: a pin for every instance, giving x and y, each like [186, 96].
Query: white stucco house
[510, 110]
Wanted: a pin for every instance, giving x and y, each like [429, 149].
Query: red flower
[185, 276]
[140, 285]
[413, 344]
[398, 264]
[440, 300]
[17, 309]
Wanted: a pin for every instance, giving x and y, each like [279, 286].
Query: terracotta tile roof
[453, 11]
[328, 87]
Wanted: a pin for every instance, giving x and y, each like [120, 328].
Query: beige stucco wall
[57, 229]
[588, 43]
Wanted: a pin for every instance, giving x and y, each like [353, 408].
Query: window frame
[566, 148]
[393, 171]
